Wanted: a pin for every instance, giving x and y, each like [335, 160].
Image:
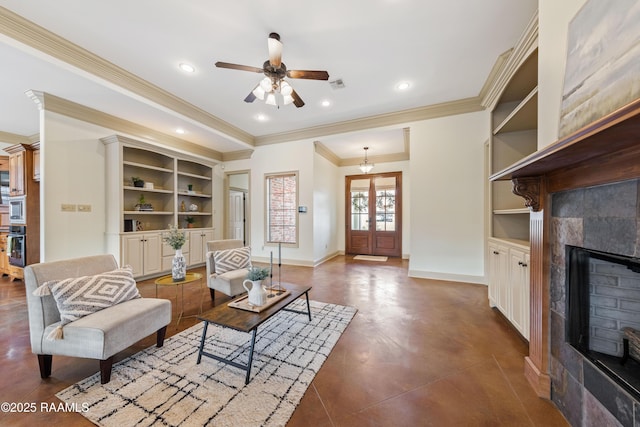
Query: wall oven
[18, 210]
[16, 243]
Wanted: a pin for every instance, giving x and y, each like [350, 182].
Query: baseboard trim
[480, 280]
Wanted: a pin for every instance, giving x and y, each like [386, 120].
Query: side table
[189, 278]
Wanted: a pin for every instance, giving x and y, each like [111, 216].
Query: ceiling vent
[337, 84]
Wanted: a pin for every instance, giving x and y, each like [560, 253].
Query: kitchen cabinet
[4, 257]
[36, 161]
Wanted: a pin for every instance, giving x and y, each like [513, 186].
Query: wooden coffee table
[248, 321]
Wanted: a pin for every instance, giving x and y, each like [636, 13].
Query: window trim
[267, 177]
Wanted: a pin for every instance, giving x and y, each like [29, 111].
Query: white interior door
[236, 215]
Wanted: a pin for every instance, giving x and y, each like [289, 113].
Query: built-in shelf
[511, 211]
[192, 175]
[523, 117]
[194, 213]
[147, 213]
[149, 190]
[184, 193]
[150, 167]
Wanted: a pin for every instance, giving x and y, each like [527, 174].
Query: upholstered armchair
[228, 262]
[107, 330]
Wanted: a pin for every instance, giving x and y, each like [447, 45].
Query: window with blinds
[282, 208]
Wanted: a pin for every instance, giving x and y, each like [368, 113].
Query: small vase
[178, 266]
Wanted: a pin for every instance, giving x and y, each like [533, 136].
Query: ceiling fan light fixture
[285, 89]
[287, 99]
[266, 85]
[271, 99]
[365, 166]
[259, 92]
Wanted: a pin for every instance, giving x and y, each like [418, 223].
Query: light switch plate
[65, 207]
[84, 208]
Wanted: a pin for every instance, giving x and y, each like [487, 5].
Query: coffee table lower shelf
[248, 321]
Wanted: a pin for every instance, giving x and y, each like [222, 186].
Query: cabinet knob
[496, 253]
[522, 264]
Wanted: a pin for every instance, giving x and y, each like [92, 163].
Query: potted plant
[176, 239]
[257, 273]
[143, 205]
[137, 182]
[190, 220]
[257, 293]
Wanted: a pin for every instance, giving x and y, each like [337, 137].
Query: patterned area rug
[164, 386]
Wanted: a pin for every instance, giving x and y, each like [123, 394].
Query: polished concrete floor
[418, 353]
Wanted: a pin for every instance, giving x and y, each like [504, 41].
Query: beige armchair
[99, 335]
[233, 262]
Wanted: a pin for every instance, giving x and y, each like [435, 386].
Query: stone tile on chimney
[610, 234]
[617, 200]
[568, 204]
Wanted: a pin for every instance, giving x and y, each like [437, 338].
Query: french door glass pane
[360, 210]
[385, 204]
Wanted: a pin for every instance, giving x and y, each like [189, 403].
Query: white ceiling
[445, 50]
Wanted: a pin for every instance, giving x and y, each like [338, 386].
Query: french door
[373, 208]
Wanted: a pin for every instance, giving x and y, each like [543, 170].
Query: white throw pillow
[80, 296]
[232, 259]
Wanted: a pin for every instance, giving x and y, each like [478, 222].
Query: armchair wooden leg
[105, 370]
[44, 361]
[212, 292]
[162, 332]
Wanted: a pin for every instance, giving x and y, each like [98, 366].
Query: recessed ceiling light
[403, 86]
[188, 68]
[326, 103]
[180, 131]
[262, 118]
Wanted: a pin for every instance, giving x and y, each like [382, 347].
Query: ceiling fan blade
[238, 67]
[308, 74]
[275, 50]
[297, 101]
[250, 98]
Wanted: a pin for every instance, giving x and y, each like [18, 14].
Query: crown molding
[322, 150]
[48, 102]
[36, 37]
[468, 105]
[526, 44]
[385, 158]
[237, 155]
[13, 138]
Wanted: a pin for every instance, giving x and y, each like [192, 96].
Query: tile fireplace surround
[597, 167]
[602, 218]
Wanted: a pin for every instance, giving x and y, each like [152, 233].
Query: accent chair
[98, 335]
[228, 262]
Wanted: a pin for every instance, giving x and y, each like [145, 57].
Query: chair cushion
[80, 296]
[232, 259]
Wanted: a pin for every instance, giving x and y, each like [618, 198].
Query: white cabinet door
[142, 251]
[499, 280]
[133, 253]
[519, 273]
[198, 245]
[152, 253]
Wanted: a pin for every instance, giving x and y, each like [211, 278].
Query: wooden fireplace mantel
[603, 152]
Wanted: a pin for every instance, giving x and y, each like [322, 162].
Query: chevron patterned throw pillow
[80, 296]
[232, 259]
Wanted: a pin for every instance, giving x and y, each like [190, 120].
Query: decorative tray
[243, 303]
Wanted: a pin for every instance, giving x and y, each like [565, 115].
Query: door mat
[370, 258]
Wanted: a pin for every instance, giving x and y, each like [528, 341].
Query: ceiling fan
[274, 84]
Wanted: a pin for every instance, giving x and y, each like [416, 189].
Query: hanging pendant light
[365, 166]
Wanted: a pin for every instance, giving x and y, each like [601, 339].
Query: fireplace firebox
[603, 312]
